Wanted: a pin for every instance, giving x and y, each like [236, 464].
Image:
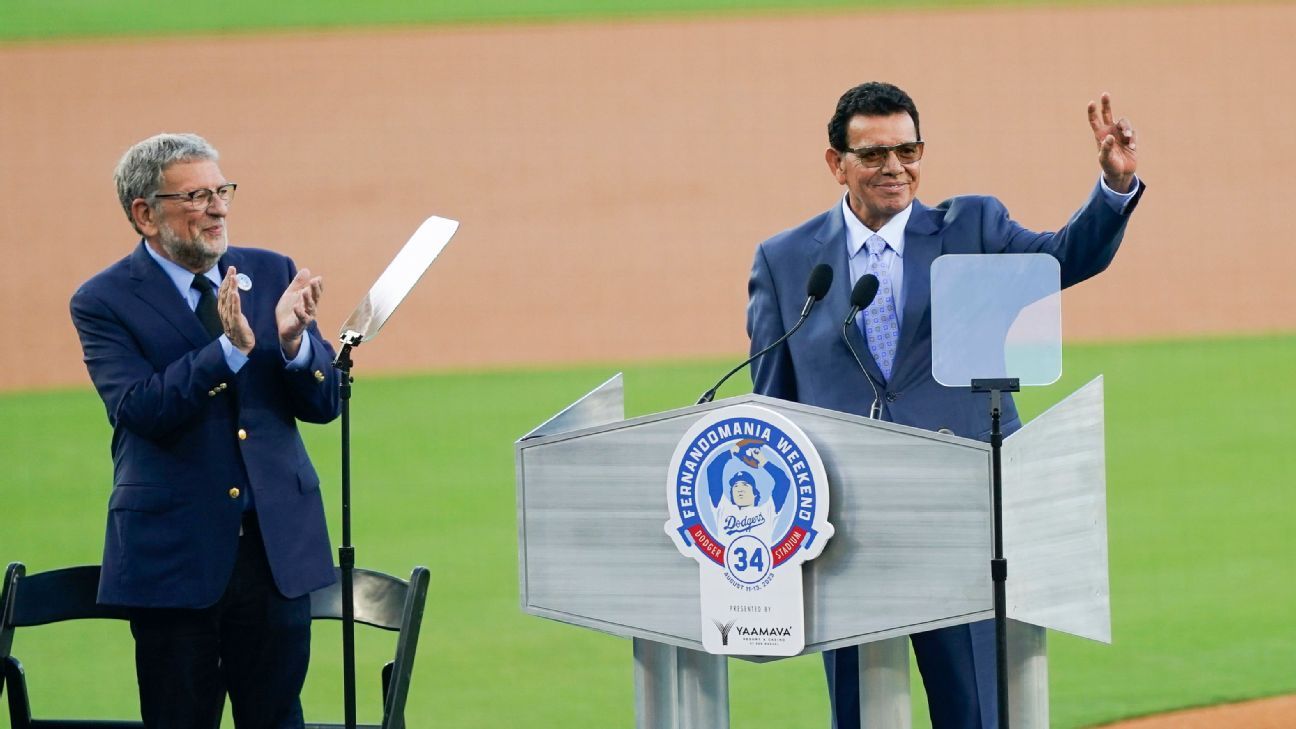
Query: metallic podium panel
[911, 509]
[603, 405]
[1055, 518]
[911, 551]
[912, 548]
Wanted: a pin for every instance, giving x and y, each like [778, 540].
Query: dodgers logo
[748, 500]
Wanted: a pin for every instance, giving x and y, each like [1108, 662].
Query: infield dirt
[613, 179]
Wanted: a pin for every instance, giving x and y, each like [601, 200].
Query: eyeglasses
[907, 153]
[201, 198]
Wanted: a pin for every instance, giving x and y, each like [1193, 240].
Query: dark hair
[872, 98]
[744, 477]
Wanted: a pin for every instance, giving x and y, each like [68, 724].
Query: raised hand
[296, 309]
[1117, 145]
[230, 309]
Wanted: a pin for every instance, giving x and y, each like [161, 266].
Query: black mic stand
[821, 277]
[346, 552]
[709, 395]
[999, 565]
[875, 410]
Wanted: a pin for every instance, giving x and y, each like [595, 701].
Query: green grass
[1200, 469]
[55, 19]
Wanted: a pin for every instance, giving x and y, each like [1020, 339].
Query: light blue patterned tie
[881, 328]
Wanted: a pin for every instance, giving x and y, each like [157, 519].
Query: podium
[911, 552]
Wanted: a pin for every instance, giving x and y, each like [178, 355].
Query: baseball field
[613, 166]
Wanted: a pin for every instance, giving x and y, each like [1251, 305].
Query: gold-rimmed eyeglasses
[201, 198]
[906, 153]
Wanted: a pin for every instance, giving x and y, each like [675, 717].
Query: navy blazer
[816, 368]
[187, 431]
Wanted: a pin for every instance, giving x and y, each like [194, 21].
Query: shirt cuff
[1118, 200]
[233, 358]
[303, 355]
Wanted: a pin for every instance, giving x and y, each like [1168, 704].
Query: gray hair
[139, 173]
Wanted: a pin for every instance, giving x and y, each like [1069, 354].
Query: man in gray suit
[879, 227]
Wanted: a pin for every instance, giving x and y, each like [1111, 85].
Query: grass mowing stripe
[1199, 473]
[54, 19]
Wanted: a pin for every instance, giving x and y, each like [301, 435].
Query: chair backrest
[49, 597]
[14, 572]
[55, 596]
[40, 599]
[384, 602]
[380, 600]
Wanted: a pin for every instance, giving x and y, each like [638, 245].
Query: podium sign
[748, 500]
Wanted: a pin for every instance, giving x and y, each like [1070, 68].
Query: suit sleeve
[1084, 247]
[150, 402]
[772, 374]
[313, 389]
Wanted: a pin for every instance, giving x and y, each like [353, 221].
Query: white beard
[194, 254]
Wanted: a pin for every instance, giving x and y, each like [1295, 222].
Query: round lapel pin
[244, 282]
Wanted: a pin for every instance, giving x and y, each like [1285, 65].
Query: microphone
[862, 295]
[817, 286]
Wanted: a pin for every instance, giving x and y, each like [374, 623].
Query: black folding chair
[381, 600]
[41, 599]
[389, 603]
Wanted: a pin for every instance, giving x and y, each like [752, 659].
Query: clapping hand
[296, 310]
[230, 309]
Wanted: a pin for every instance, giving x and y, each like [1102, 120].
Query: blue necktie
[879, 322]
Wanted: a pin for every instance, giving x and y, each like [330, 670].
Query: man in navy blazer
[206, 356]
[879, 227]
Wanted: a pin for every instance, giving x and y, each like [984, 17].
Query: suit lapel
[832, 242]
[922, 246]
[158, 291]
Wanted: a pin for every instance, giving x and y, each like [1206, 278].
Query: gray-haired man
[206, 356]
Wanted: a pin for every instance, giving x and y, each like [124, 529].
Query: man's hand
[230, 308]
[296, 310]
[1116, 145]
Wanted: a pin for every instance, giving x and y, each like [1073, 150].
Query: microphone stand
[862, 295]
[821, 277]
[875, 410]
[346, 552]
[999, 565]
[709, 395]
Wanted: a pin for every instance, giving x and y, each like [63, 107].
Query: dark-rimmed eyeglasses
[907, 153]
[201, 198]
